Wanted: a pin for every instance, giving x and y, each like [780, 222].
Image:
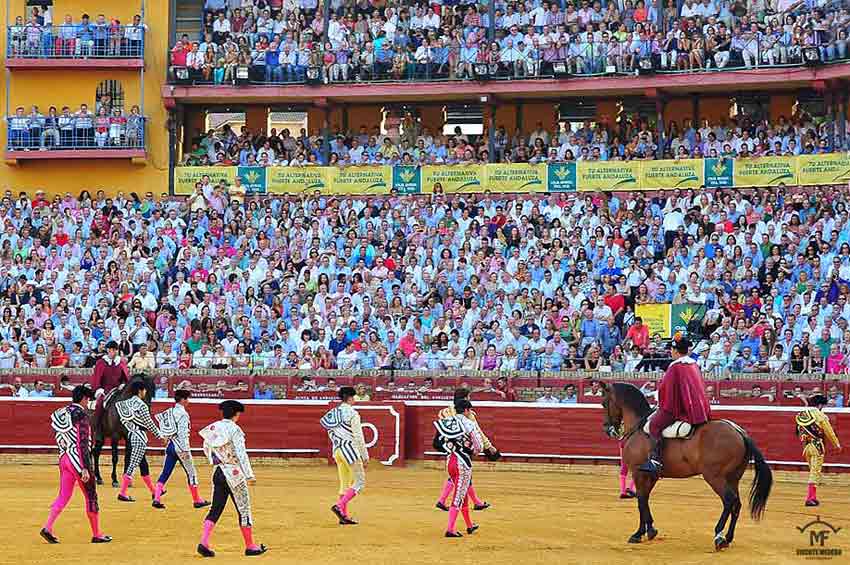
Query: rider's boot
[653, 464]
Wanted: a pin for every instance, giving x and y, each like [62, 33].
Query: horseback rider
[110, 372]
[681, 398]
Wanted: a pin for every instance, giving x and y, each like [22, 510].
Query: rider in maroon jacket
[681, 398]
[110, 372]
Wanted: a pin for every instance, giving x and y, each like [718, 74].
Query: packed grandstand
[260, 254]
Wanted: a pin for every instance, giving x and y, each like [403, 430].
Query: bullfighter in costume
[489, 449]
[349, 451]
[460, 439]
[812, 426]
[110, 373]
[175, 426]
[681, 398]
[224, 446]
[72, 429]
[135, 415]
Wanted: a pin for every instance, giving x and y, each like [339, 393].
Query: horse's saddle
[677, 430]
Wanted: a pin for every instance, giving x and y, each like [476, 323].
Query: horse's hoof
[115, 484]
[720, 542]
[99, 481]
[635, 538]
[651, 533]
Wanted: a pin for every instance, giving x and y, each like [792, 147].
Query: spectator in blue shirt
[263, 392]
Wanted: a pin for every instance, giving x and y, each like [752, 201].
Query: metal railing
[610, 58]
[78, 41]
[75, 132]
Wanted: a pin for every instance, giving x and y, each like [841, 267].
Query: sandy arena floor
[556, 517]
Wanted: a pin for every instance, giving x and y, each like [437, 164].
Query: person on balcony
[85, 37]
[51, 129]
[19, 132]
[66, 38]
[134, 38]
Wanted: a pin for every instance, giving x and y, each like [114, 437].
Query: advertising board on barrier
[765, 171]
[515, 177]
[455, 178]
[601, 176]
[686, 173]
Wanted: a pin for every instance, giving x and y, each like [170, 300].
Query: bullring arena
[557, 509]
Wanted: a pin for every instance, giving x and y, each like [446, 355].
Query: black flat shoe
[204, 551]
[472, 529]
[442, 507]
[123, 498]
[454, 535]
[338, 513]
[813, 502]
[48, 536]
[257, 551]
[482, 506]
[346, 521]
[158, 504]
[201, 504]
[102, 539]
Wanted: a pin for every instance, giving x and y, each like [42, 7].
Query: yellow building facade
[46, 87]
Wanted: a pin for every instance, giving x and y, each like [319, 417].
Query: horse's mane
[633, 398]
[144, 378]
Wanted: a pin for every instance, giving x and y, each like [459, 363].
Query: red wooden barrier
[404, 430]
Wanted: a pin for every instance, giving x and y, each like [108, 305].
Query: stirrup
[651, 466]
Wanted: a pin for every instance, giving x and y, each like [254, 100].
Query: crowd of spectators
[360, 40]
[107, 127]
[537, 282]
[39, 37]
[412, 144]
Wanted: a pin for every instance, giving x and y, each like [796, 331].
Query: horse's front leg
[644, 483]
[114, 446]
[638, 535]
[98, 447]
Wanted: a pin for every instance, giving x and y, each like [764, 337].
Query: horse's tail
[762, 482]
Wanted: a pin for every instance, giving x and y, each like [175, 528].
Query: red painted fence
[397, 431]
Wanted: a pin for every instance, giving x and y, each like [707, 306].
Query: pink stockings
[68, 477]
[247, 535]
[344, 499]
[624, 474]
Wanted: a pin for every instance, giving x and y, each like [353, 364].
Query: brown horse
[720, 451]
[109, 426]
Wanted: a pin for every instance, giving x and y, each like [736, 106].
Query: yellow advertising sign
[454, 178]
[359, 180]
[515, 177]
[831, 168]
[765, 171]
[186, 177]
[293, 180]
[669, 174]
[656, 316]
[608, 175]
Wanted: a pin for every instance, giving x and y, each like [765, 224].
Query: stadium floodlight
[482, 71]
[182, 75]
[242, 76]
[811, 55]
[314, 75]
[645, 67]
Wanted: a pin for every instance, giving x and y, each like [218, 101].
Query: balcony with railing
[74, 46]
[75, 136]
